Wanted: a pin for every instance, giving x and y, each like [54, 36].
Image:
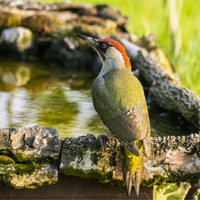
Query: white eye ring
[104, 46]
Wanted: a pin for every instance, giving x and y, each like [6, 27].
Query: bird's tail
[133, 171]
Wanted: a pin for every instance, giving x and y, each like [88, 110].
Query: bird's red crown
[121, 49]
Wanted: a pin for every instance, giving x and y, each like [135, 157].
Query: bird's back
[119, 100]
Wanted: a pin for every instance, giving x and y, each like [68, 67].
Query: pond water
[36, 93]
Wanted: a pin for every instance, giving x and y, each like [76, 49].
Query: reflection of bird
[119, 99]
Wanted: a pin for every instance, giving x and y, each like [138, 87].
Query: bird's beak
[91, 41]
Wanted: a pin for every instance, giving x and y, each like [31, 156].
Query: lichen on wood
[89, 157]
[28, 156]
[172, 159]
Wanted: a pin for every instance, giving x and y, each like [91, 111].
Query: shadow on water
[35, 93]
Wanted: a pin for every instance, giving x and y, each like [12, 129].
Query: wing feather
[122, 108]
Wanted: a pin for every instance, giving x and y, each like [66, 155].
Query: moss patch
[106, 177]
[102, 176]
[22, 169]
[20, 158]
[6, 160]
[172, 178]
[5, 179]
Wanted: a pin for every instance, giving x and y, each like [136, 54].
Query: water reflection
[11, 78]
[70, 111]
[35, 93]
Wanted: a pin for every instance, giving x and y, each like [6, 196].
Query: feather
[137, 177]
[133, 170]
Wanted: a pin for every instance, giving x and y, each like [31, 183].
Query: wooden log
[28, 156]
[172, 159]
[31, 156]
[60, 18]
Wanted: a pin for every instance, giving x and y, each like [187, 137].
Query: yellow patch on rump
[132, 161]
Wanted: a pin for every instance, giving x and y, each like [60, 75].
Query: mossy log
[28, 156]
[31, 157]
[172, 159]
[52, 19]
[165, 86]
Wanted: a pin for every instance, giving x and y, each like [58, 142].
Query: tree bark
[29, 158]
[172, 159]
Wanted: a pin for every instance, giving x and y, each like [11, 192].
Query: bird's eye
[104, 46]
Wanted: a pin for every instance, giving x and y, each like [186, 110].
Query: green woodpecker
[119, 100]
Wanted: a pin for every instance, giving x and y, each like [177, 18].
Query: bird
[119, 99]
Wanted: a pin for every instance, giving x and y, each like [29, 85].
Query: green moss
[106, 177]
[6, 160]
[172, 178]
[20, 158]
[175, 147]
[26, 168]
[5, 179]
[102, 176]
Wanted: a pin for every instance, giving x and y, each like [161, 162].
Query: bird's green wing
[120, 102]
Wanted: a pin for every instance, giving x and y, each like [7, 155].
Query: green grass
[152, 16]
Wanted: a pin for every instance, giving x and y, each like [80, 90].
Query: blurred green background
[165, 18]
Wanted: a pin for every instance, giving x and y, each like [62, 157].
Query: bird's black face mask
[98, 45]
